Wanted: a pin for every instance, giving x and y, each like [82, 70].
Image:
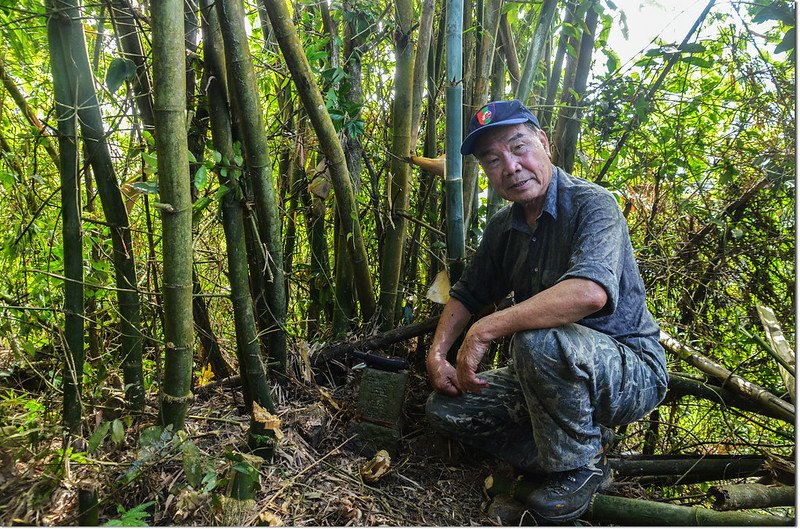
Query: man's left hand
[469, 357]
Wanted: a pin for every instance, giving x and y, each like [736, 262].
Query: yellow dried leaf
[267, 419]
[328, 399]
[377, 467]
[320, 186]
[439, 291]
[206, 375]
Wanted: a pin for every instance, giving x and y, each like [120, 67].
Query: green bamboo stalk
[74, 353]
[456, 249]
[398, 185]
[251, 369]
[169, 90]
[565, 138]
[292, 49]
[242, 86]
[127, 30]
[489, 26]
[536, 47]
[69, 21]
[627, 511]
[751, 496]
[498, 89]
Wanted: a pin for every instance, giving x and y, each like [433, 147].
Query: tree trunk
[510, 52]
[169, 92]
[293, 53]
[74, 353]
[398, 185]
[242, 85]
[783, 349]
[73, 41]
[251, 368]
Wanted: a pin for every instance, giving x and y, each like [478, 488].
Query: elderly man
[585, 347]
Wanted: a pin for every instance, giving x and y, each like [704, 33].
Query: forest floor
[313, 480]
[161, 479]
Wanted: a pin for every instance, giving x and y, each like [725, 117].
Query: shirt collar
[550, 205]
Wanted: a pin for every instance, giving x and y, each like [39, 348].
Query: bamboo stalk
[627, 511]
[74, 354]
[751, 496]
[307, 89]
[782, 349]
[169, 84]
[746, 388]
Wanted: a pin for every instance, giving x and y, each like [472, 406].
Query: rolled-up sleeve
[598, 241]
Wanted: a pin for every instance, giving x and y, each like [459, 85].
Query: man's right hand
[442, 376]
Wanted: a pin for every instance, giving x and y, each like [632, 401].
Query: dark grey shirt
[580, 233]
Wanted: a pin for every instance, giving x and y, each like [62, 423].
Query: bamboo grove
[212, 185]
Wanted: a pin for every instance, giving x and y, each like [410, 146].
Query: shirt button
[536, 269]
[534, 239]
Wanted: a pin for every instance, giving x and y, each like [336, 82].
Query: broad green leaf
[119, 71]
[97, 437]
[149, 188]
[117, 431]
[788, 42]
[700, 62]
[201, 177]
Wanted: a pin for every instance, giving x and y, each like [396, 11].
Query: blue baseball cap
[495, 114]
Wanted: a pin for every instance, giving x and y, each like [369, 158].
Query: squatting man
[585, 352]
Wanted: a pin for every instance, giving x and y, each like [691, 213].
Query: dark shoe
[566, 495]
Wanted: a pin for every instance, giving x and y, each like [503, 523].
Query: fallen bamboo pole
[376, 341]
[751, 496]
[729, 379]
[627, 511]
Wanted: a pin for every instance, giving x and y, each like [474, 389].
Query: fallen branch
[730, 380]
[626, 511]
[680, 385]
[689, 468]
[781, 348]
[377, 341]
[750, 496]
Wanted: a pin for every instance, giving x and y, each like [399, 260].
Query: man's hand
[442, 375]
[469, 357]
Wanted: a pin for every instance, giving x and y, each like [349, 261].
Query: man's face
[517, 162]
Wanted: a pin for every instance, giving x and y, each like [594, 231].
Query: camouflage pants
[544, 412]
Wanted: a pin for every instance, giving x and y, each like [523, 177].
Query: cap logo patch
[485, 114]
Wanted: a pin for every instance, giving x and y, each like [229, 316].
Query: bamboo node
[172, 399]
